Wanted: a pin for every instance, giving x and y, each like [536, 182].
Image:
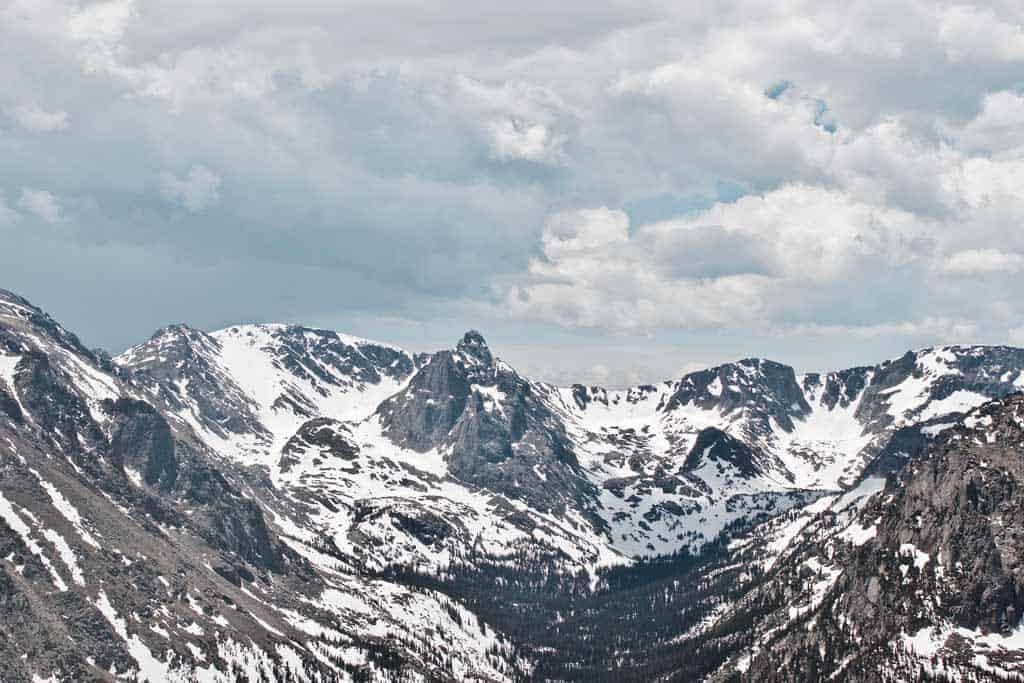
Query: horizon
[687, 369]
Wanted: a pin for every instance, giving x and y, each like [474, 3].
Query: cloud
[8, 216]
[975, 261]
[800, 250]
[519, 120]
[998, 127]
[197, 191]
[983, 184]
[512, 139]
[32, 118]
[42, 204]
[102, 22]
[99, 28]
[814, 164]
[927, 327]
[971, 33]
[572, 232]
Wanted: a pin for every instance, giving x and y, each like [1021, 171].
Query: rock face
[716, 447]
[271, 502]
[492, 426]
[141, 438]
[324, 438]
[178, 368]
[920, 579]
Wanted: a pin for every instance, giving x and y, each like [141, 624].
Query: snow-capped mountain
[247, 389]
[128, 550]
[753, 435]
[272, 498]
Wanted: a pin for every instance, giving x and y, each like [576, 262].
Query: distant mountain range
[281, 503]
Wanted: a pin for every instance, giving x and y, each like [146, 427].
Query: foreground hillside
[921, 580]
[270, 502]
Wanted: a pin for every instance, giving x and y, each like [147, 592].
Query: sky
[612, 192]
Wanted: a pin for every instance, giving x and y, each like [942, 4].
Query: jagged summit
[176, 329]
[8, 296]
[472, 338]
[475, 346]
[174, 334]
[25, 326]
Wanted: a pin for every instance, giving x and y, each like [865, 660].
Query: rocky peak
[473, 345]
[929, 382]
[177, 345]
[761, 388]
[18, 315]
[495, 429]
[182, 330]
[10, 300]
[323, 358]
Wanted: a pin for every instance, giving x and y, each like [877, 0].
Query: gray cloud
[393, 161]
[196, 191]
[33, 118]
[41, 204]
[8, 216]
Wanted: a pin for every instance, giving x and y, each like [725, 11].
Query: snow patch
[959, 401]
[67, 510]
[859, 535]
[13, 520]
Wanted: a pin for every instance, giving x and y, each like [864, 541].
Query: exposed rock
[714, 446]
[141, 438]
[496, 431]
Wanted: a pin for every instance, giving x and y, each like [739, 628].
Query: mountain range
[280, 503]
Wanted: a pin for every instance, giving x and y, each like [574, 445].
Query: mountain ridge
[292, 501]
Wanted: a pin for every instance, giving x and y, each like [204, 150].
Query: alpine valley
[279, 503]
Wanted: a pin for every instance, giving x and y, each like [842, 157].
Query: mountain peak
[180, 333]
[17, 305]
[176, 329]
[473, 344]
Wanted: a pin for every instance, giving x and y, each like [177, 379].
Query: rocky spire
[474, 345]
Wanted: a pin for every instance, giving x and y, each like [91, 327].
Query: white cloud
[799, 250]
[8, 216]
[520, 120]
[793, 254]
[571, 232]
[886, 164]
[197, 191]
[512, 139]
[998, 127]
[42, 204]
[972, 33]
[926, 327]
[99, 28]
[975, 261]
[103, 22]
[810, 234]
[983, 183]
[33, 118]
